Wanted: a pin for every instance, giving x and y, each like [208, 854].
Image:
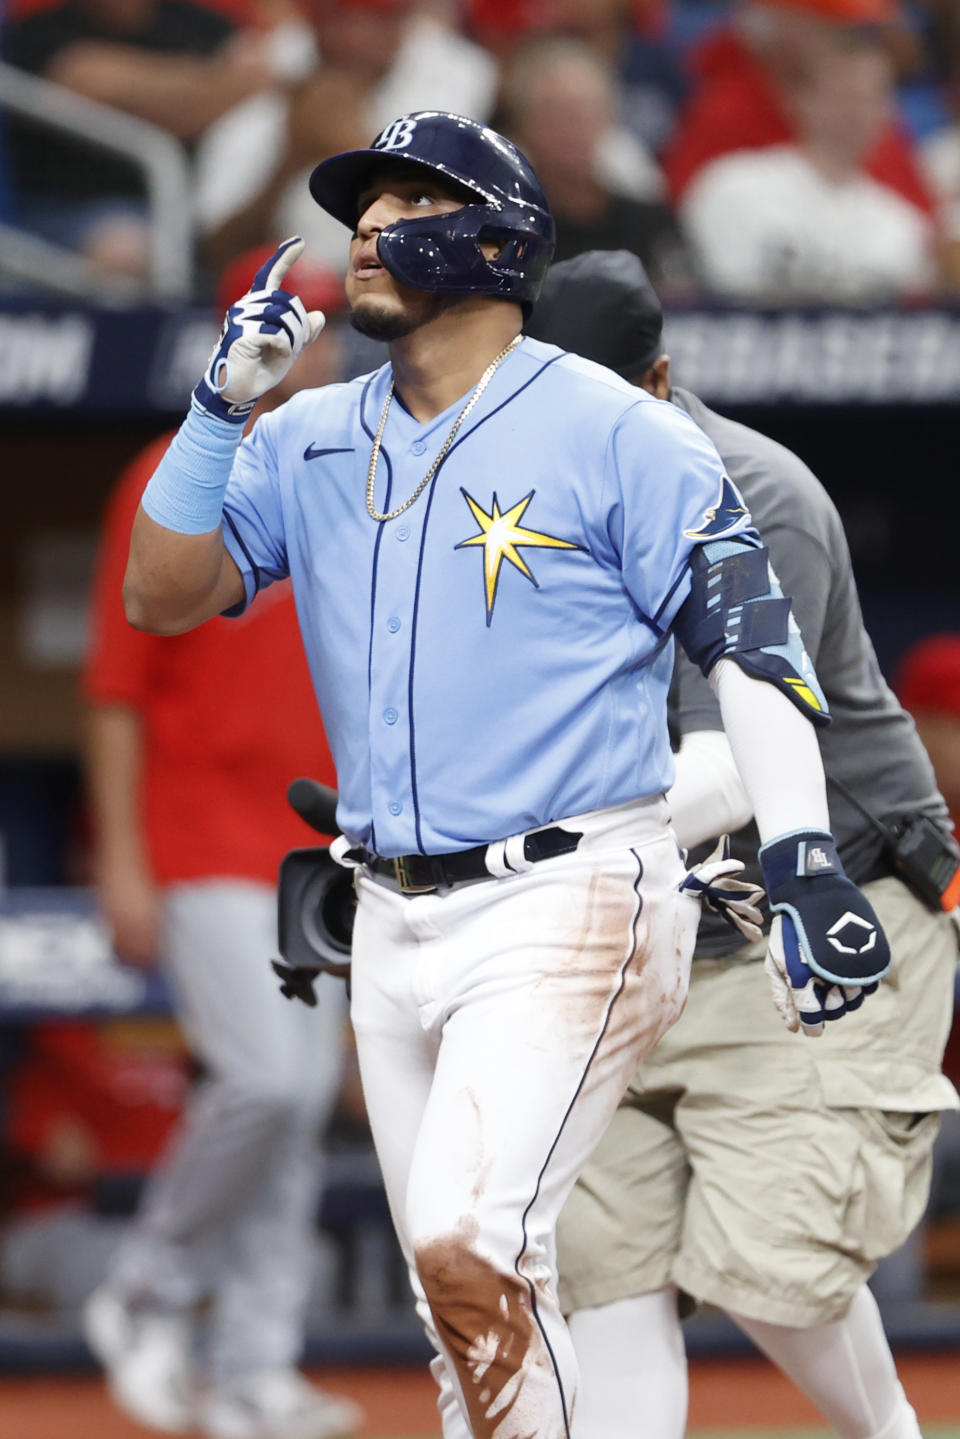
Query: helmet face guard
[442, 252]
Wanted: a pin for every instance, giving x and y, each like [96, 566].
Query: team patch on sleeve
[726, 515]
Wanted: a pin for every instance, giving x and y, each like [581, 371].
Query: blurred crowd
[758, 151]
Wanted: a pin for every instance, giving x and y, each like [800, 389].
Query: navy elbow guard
[839, 936]
[735, 607]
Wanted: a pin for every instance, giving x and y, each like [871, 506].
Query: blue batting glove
[827, 949]
[262, 335]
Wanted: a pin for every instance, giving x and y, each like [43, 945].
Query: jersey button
[393, 624]
[395, 807]
[390, 715]
[418, 447]
[403, 532]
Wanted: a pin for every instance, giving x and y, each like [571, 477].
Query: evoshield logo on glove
[852, 923]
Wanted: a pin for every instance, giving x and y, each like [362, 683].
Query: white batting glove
[803, 1001]
[262, 335]
[735, 900]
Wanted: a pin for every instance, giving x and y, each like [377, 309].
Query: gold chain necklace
[482, 384]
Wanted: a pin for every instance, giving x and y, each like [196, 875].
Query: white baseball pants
[498, 1025]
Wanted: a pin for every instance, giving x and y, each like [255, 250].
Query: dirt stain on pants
[485, 1319]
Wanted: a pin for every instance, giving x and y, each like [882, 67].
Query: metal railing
[158, 156]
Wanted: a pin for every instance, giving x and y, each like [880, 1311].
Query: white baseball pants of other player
[230, 1212]
[498, 1024]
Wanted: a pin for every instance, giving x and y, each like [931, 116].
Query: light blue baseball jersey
[497, 657]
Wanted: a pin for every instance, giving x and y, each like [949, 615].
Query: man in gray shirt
[747, 1167]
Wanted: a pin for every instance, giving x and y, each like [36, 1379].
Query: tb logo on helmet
[396, 136]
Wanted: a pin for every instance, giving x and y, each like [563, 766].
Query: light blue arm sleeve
[185, 492]
[668, 493]
[254, 529]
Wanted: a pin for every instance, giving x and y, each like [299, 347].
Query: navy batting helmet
[442, 252]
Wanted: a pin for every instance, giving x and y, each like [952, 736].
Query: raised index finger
[271, 272]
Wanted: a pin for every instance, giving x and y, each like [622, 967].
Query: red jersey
[736, 107]
[228, 711]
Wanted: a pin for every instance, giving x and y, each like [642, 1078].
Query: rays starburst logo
[501, 537]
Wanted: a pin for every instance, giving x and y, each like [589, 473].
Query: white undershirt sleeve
[707, 798]
[776, 752]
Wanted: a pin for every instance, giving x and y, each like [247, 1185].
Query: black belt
[417, 873]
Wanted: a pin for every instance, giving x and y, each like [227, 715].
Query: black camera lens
[328, 905]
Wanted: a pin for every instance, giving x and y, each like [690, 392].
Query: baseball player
[743, 1168]
[187, 774]
[491, 545]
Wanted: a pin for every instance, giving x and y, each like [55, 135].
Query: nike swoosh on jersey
[310, 453]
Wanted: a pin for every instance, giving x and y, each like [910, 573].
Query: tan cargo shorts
[765, 1172]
